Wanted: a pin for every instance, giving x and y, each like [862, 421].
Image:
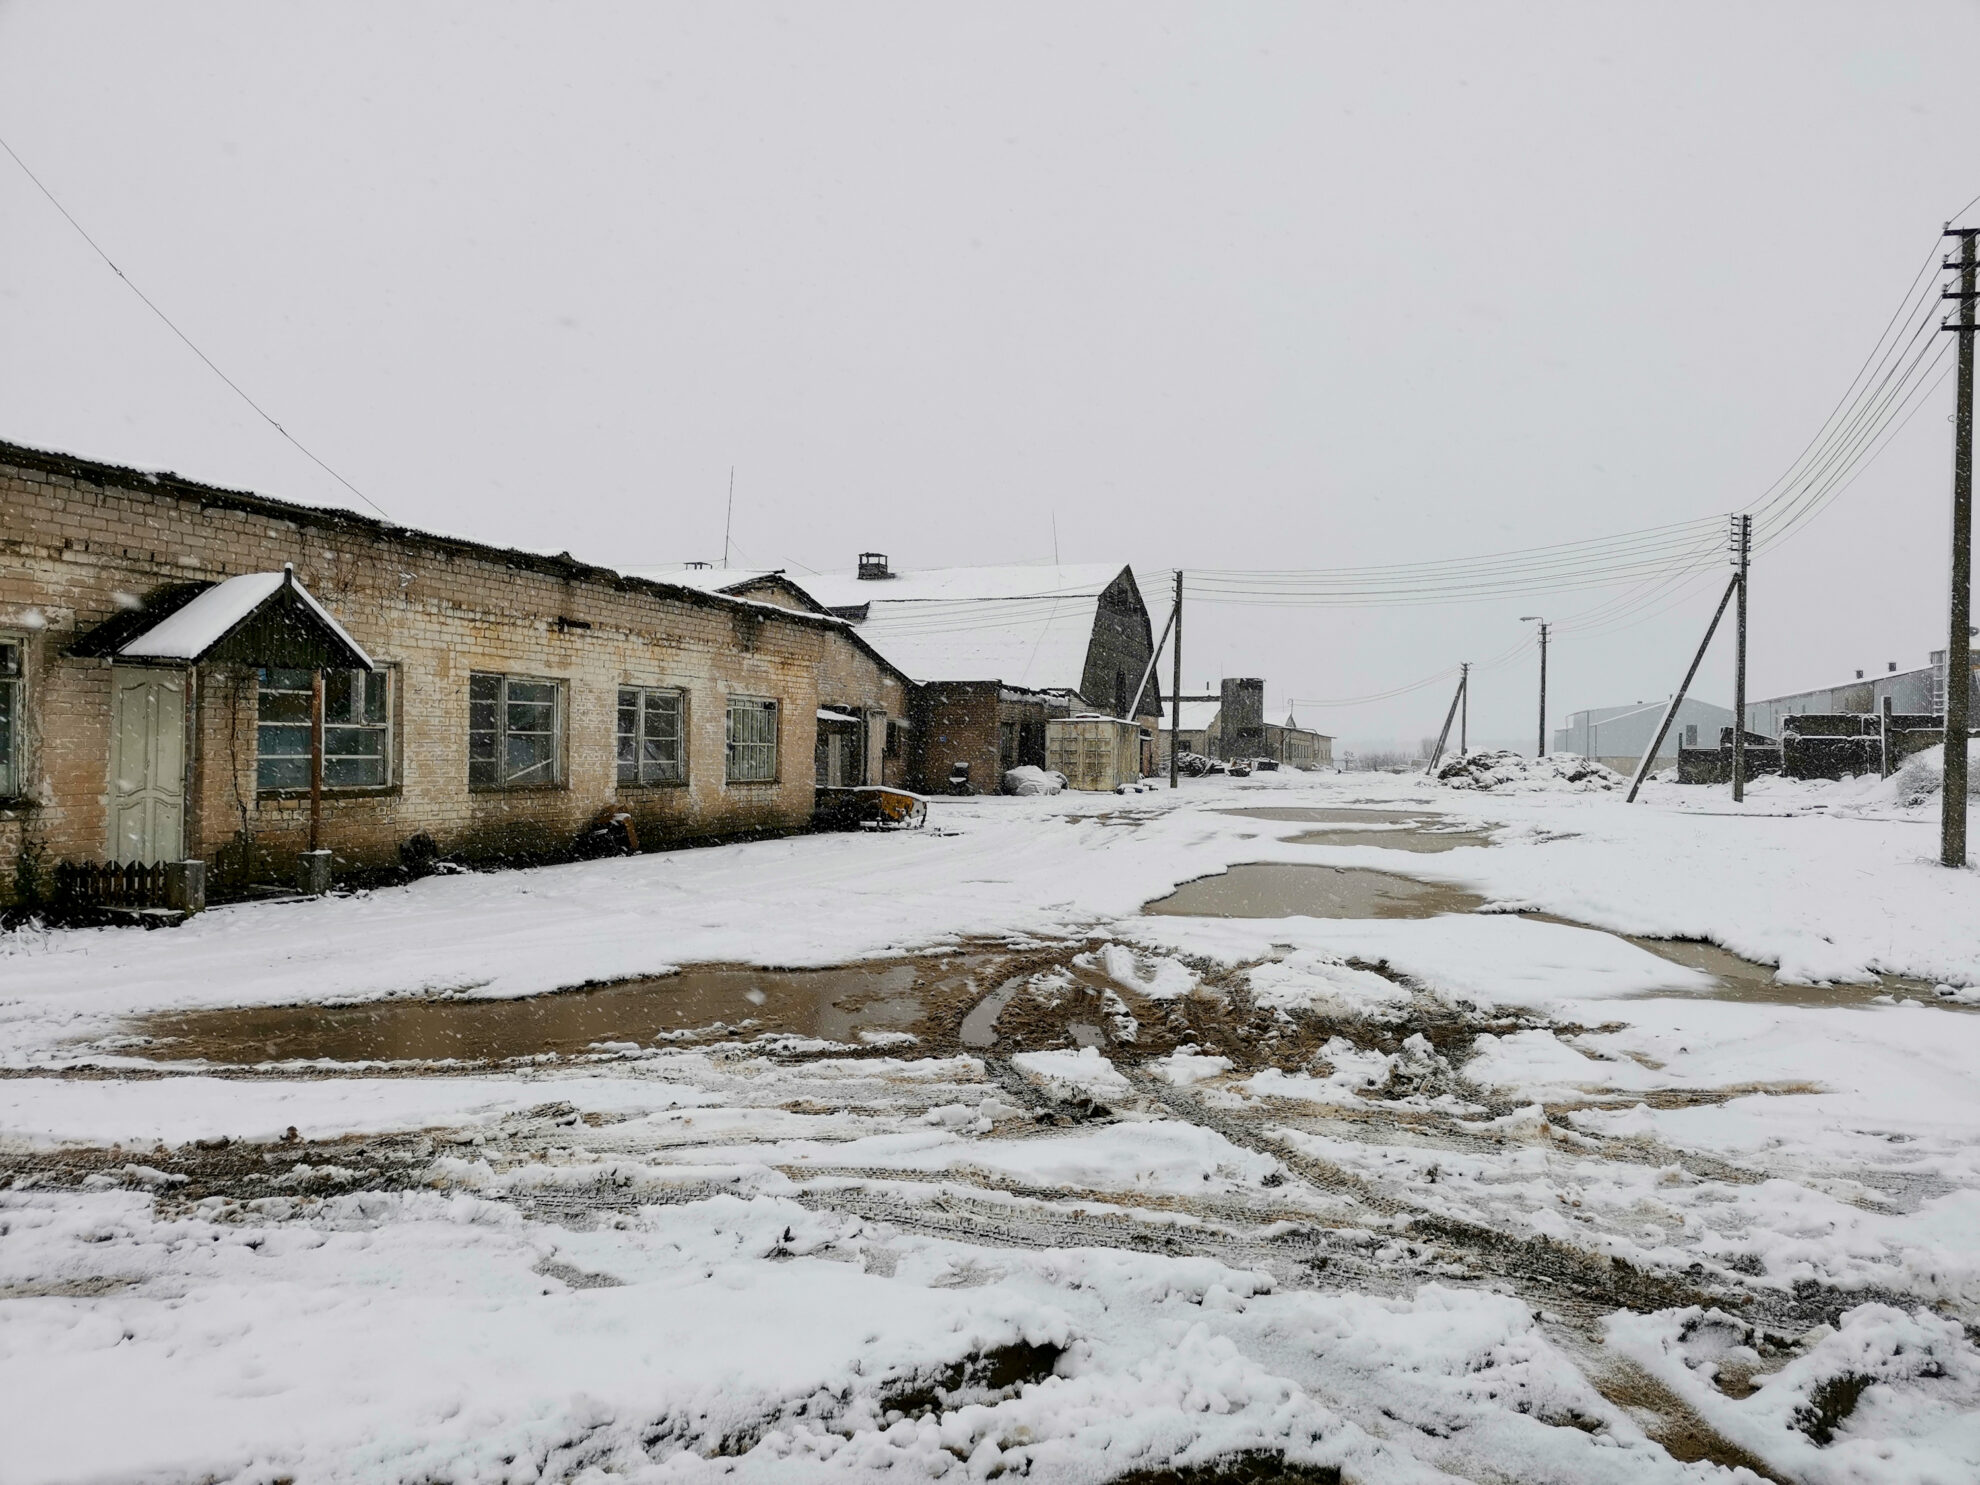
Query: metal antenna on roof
[729, 521]
[1055, 538]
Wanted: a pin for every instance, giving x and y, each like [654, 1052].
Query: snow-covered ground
[1491, 1195]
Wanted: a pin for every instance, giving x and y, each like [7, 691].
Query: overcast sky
[1210, 286]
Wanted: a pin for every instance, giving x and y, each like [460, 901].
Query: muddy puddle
[1274, 890]
[1343, 815]
[1389, 830]
[1742, 979]
[1278, 890]
[833, 1004]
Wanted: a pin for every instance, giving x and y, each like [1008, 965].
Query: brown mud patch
[1670, 1420]
[1393, 840]
[1276, 890]
[1310, 815]
[883, 1001]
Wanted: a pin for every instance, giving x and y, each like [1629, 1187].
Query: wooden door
[147, 765]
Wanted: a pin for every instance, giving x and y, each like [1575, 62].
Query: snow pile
[1081, 1071]
[1162, 979]
[1031, 779]
[1886, 1395]
[1516, 773]
[1921, 778]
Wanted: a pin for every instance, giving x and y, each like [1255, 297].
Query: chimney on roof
[1859, 675]
[873, 565]
[1891, 666]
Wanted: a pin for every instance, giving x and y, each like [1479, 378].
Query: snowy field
[1495, 1184]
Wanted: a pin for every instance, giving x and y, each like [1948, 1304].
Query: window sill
[654, 784]
[518, 788]
[752, 783]
[368, 791]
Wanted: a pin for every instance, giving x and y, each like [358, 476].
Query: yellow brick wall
[75, 549]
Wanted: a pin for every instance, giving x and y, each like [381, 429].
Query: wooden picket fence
[105, 884]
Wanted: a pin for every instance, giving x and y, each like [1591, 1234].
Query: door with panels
[147, 764]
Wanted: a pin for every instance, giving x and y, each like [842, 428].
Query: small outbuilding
[1094, 752]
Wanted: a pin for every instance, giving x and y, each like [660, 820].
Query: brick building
[511, 698]
[996, 651]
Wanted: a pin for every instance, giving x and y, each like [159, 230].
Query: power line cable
[187, 339]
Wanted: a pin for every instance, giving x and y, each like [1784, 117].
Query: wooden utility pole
[1649, 759]
[315, 759]
[1175, 692]
[1742, 540]
[1443, 736]
[1464, 710]
[1541, 751]
[1959, 663]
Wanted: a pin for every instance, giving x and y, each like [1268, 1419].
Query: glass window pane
[484, 687]
[285, 680]
[531, 717]
[353, 742]
[282, 773]
[481, 746]
[282, 742]
[481, 771]
[7, 704]
[353, 773]
[340, 695]
[530, 759]
[376, 685]
[10, 659]
[538, 693]
[284, 706]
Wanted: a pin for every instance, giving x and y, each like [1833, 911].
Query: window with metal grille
[11, 692]
[357, 729]
[652, 746]
[515, 728]
[752, 732]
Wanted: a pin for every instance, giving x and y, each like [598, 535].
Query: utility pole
[1644, 763]
[1437, 752]
[1464, 709]
[1742, 545]
[1541, 752]
[729, 520]
[1175, 693]
[1959, 663]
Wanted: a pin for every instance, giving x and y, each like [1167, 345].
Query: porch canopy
[260, 618]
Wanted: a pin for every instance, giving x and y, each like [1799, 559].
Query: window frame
[13, 717]
[388, 727]
[775, 708]
[559, 731]
[642, 692]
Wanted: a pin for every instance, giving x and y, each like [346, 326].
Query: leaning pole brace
[1644, 763]
[1444, 736]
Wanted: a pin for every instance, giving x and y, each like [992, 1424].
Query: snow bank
[1921, 778]
[1509, 772]
[1031, 779]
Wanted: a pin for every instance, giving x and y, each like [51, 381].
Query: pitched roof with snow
[192, 633]
[1028, 626]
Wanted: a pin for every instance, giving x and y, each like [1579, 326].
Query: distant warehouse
[1618, 736]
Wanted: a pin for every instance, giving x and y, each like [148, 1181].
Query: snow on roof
[193, 630]
[703, 579]
[1027, 626]
[1196, 715]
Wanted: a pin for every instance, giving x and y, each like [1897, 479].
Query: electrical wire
[167, 321]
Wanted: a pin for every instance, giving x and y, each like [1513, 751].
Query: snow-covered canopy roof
[194, 632]
[1028, 626]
